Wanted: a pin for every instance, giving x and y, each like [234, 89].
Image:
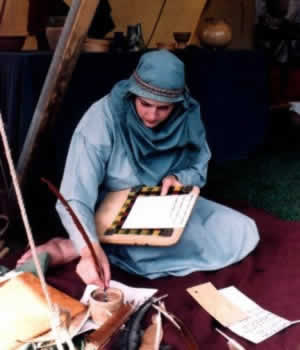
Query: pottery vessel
[215, 33]
[182, 39]
[104, 305]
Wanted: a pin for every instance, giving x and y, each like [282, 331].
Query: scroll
[141, 216]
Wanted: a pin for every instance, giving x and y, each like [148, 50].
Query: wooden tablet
[116, 207]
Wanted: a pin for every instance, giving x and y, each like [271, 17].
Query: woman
[148, 131]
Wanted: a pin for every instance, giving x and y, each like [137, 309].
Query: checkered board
[160, 237]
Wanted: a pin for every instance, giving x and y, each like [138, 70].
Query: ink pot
[104, 305]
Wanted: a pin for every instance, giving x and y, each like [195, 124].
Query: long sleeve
[84, 172]
[196, 174]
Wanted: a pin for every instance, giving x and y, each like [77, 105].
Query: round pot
[103, 306]
[215, 33]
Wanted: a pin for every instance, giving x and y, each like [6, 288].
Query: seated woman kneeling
[146, 131]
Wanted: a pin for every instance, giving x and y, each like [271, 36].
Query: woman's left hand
[167, 182]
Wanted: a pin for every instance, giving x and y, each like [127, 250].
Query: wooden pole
[59, 74]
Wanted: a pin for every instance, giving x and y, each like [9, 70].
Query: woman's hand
[86, 268]
[168, 182]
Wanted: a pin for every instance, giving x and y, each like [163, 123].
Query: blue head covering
[159, 76]
[173, 144]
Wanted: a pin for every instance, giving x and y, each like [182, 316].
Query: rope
[156, 23]
[52, 314]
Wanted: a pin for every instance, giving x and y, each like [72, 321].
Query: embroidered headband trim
[156, 90]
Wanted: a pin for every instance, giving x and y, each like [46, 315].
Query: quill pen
[80, 228]
[232, 344]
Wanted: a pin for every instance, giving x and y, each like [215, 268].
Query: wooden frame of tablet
[115, 207]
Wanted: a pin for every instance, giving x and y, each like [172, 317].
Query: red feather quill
[79, 227]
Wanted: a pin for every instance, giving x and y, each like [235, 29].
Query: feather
[159, 333]
[153, 334]
[231, 343]
[79, 227]
[161, 308]
[131, 336]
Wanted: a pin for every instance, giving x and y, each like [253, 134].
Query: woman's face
[151, 112]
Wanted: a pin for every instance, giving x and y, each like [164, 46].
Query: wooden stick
[101, 336]
[59, 74]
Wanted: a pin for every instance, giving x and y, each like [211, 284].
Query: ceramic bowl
[182, 37]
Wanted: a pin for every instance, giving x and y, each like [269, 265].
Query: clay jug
[215, 33]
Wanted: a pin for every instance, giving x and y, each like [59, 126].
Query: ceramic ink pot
[103, 307]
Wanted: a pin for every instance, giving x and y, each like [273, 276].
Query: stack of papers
[237, 312]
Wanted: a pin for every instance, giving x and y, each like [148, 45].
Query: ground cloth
[270, 276]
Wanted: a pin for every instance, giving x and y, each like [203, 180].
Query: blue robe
[215, 236]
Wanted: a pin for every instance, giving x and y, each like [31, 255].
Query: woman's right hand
[86, 268]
